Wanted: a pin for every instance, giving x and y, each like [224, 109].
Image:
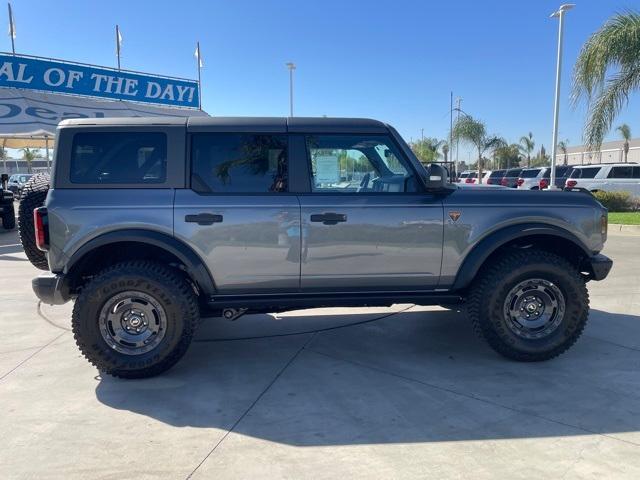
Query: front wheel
[530, 306]
[135, 319]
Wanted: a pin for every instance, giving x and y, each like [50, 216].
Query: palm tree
[562, 145]
[527, 146]
[625, 132]
[29, 155]
[445, 151]
[474, 132]
[613, 50]
[427, 149]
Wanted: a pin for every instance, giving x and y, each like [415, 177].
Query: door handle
[329, 218]
[204, 218]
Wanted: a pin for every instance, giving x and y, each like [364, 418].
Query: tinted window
[514, 172]
[588, 172]
[356, 164]
[636, 172]
[119, 157]
[560, 172]
[238, 163]
[530, 173]
[497, 174]
[620, 172]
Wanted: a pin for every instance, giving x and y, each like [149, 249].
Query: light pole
[556, 103]
[291, 66]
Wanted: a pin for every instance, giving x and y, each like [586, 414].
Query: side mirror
[436, 177]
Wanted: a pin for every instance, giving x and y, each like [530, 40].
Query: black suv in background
[562, 173]
[495, 177]
[510, 178]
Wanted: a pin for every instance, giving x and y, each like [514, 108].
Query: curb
[616, 228]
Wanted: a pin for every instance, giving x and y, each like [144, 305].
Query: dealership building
[38, 93]
[610, 152]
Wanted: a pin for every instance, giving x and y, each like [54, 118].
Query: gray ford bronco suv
[150, 224]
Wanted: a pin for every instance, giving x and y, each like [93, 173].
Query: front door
[365, 224]
[238, 214]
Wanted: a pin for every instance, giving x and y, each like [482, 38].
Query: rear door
[238, 213]
[366, 224]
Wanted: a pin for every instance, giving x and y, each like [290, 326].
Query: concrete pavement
[403, 392]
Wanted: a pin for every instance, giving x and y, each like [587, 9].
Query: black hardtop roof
[269, 124]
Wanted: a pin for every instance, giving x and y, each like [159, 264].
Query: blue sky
[392, 60]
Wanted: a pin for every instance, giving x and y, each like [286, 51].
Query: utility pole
[556, 104]
[458, 103]
[291, 66]
[451, 132]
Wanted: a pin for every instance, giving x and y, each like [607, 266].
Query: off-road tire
[485, 304]
[167, 286]
[9, 219]
[33, 195]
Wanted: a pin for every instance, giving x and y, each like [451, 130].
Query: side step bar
[342, 299]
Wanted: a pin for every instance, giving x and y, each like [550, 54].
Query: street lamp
[556, 105]
[291, 66]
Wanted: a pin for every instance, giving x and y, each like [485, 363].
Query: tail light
[490, 181]
[504, 182]
[41, 225]
[571, 183]
[544, 183]
[520, 181]
[468, 180]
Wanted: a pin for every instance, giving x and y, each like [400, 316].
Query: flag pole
[199, 80]
[12, 31]
[118, 45]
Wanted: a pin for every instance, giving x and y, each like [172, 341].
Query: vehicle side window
[238, 163]
[588, 172]
[357, 164]
[119, 157]
[636, 172]
[620, 172]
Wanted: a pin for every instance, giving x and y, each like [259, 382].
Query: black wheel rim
[534, 308]
[132, 322]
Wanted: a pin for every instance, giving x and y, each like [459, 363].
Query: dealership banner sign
[34, 73]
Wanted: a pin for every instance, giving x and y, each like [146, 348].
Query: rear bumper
[51, 288]
[599, 267]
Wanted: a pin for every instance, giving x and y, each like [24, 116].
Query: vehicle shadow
[10, 243]
[416, 376]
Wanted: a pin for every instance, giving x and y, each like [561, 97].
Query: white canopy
[29, 118]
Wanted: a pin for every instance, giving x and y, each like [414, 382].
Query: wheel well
[97, 259]
[550, 243]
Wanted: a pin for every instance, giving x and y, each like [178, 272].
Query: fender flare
[489, 244]
[196, 267]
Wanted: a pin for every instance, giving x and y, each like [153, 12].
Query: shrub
[616, 201]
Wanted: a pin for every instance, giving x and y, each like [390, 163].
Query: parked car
[510, 178]
[529, 178]
[255, 216]
[468, 176]
[562, 173]
[495, 177]
[17, 181]
[606, 177]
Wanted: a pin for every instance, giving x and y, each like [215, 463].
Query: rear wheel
[135, 319]
[531, 306]
[33, 196]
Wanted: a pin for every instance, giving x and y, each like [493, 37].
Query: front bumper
[599, 267]
[51, 288]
